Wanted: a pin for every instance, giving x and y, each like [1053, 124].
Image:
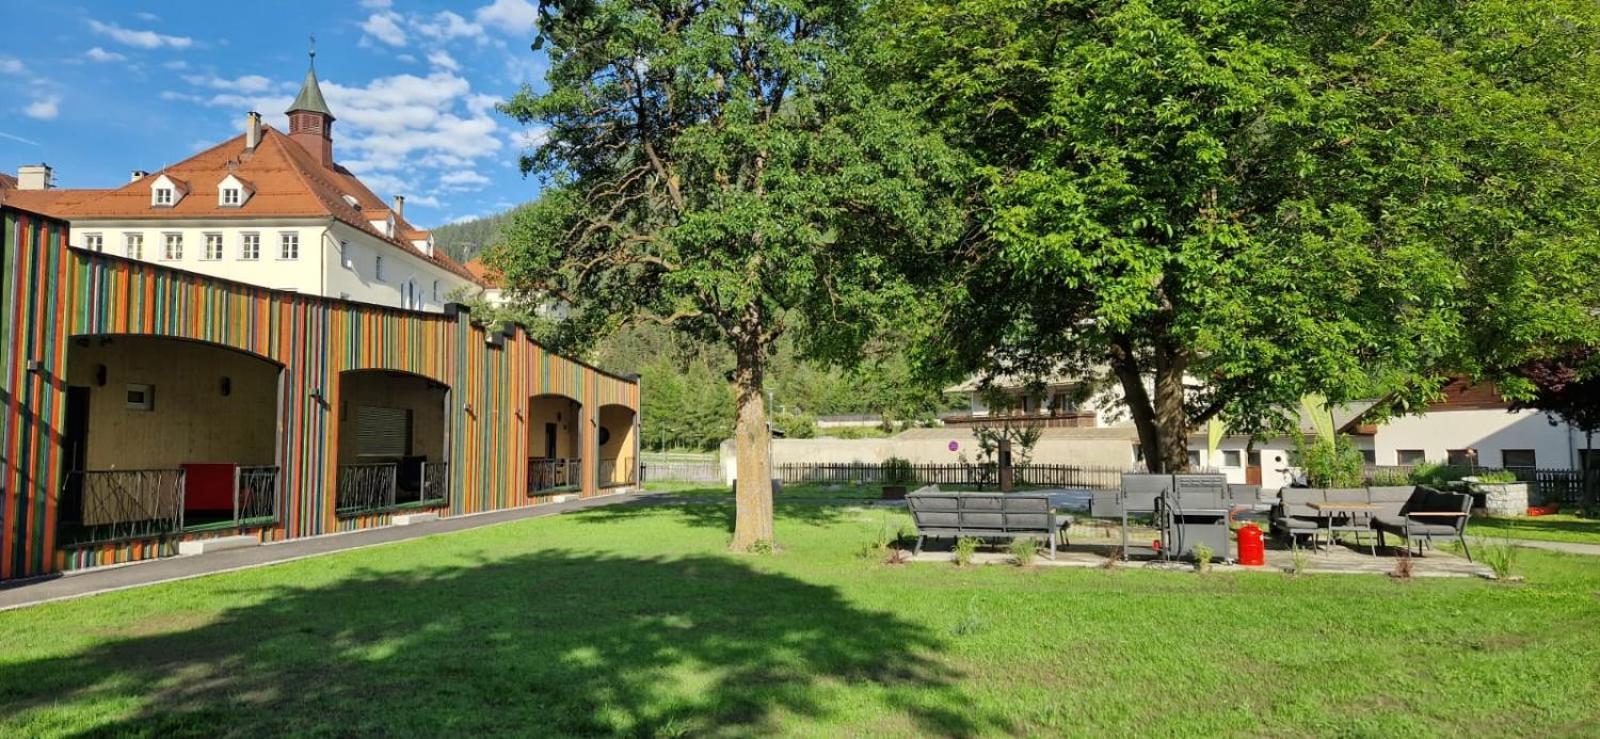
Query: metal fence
[1055, 475]
[682, 472]
[435, 486]
[549, 475]
[114, 505]
[365, 488]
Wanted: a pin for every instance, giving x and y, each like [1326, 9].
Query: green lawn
[1559, 527]
[636, 621]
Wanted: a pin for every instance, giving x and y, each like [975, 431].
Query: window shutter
[382, 432]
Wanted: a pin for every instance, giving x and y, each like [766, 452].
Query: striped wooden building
[144, 407]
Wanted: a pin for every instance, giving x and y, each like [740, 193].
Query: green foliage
[1023, 551]
[1496, 477]
[1334, 463]
[467, 239]
[795, 425]
[1388, 477]
[1352, 199]
[1434, 474]
[966, 546]
[1499, 554]
[761, 546]
[1202, 557]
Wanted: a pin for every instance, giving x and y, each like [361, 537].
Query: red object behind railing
[208, 487]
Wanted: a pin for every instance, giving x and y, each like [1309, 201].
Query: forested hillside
[462, 241]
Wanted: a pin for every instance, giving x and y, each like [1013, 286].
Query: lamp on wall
[100, 375]
[226, 386]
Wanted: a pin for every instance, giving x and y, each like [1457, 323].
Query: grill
[1187, 510]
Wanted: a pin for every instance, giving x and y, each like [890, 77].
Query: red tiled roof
[7, 182]
[286, 181]
[483, 273]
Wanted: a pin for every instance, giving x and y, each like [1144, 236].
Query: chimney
[137, 175]
[252, 130]
[400, 207]
[33, 177]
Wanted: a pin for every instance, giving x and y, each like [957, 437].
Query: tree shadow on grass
[549, 643]
[716, 515]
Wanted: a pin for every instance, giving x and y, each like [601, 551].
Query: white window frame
[167, 253]
[249, 252]
[435, 291]
[1232, 458]
[231, 197]
[163, 196]
[213, 238]
[377, 268]
[286, 240]
[133, 244]
[94, 241]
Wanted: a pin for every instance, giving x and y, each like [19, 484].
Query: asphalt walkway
[1567, 547]
[80, 583]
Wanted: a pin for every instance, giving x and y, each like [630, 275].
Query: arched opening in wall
[619, 462]
[393, 433]
[555, 444]
[164, 436]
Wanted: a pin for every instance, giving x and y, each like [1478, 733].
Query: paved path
[80, 583]
[1568, 547]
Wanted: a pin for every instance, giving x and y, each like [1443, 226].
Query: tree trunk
[1162, 422]
[1171, 418]
[752, 444]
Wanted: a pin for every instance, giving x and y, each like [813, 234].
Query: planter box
[894, 492]
[1503, 499]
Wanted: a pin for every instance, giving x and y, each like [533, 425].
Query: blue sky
[99, 88]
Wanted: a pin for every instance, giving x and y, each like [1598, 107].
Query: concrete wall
[192, 421]
[565, 413]
[392, 390]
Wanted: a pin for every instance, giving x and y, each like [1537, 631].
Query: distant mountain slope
[462, 241]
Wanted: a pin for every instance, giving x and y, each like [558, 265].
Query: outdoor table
[1327, 512]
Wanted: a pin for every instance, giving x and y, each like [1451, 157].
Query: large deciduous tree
[724, 167]
[1226, 204]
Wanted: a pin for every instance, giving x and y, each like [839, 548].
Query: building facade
[144, 408]
[266, 207]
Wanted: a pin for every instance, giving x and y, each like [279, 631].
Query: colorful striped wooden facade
[50, 293]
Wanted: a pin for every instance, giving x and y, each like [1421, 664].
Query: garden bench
[951, 515]
[1426, 514]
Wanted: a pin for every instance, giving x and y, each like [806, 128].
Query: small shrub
[897, 471]
[1388, 477]
[1298, 559]
[1500, 555]
[1112, 560]
[966, 546]
[1403, 566]
[760, 546]
[1331, 464]
[1437, 475]
[1497, 477]
[1202, 557]
[1023, 551]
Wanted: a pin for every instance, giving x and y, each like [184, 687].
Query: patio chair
[1292, 517]
[1413, 523]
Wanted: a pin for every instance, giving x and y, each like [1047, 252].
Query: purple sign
[954, 446]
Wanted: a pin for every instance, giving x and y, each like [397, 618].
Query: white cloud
[407, 58]
[443, 60]
[384, 26]
[44, 109]
[11, 65]
[247, 85]
[98, 54]
[140, 39]
[148, 17]
[463, 180]
[176, 64]
[446, 25]
[512, 16]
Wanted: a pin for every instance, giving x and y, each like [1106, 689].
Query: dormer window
[232, 192]
[352, 201]
[165, 191]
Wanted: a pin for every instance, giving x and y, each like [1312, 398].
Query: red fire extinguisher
[1252, 546]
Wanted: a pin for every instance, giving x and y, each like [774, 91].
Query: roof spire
[310, 97]
[313, 51]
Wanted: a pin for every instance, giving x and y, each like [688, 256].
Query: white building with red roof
[267, 208]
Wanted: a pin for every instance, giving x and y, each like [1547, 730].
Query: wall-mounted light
[226, 386]
[100, 375]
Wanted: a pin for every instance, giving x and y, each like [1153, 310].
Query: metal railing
[618, 472]
[366, 488]
[550, 475]
[435, 482]
[114, 505]
[255, 494]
